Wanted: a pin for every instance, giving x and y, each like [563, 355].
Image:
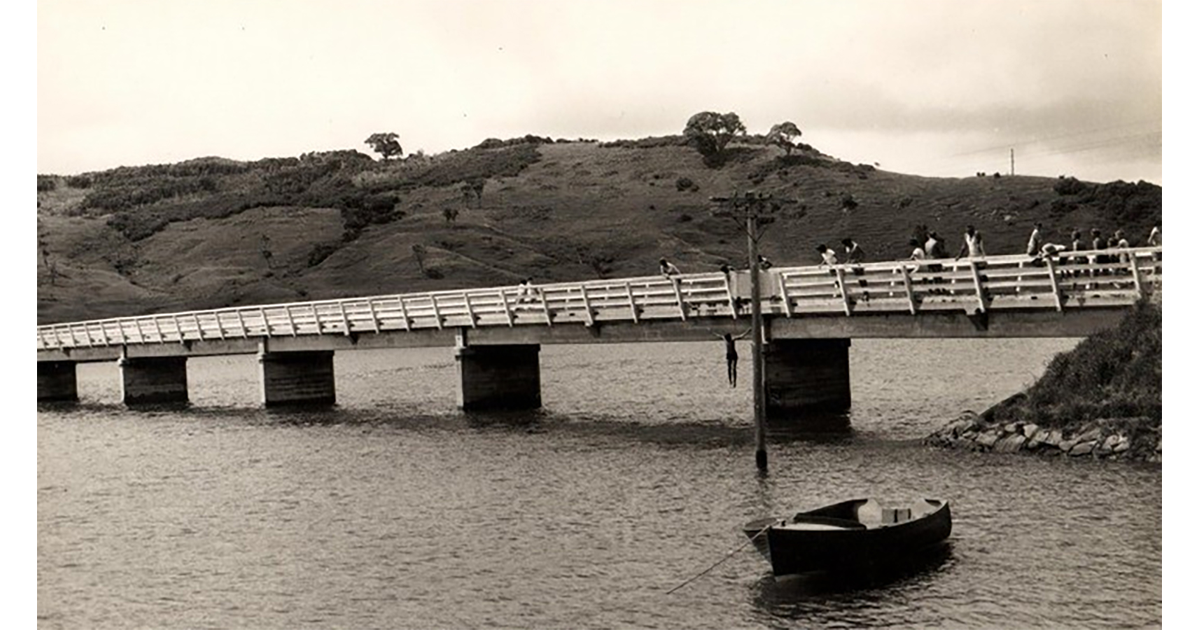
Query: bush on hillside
[496, 143]
[139, 223]
[46, 183]
[1069, 186]
[684, 183]
[131, 193]
[466, 166]
[358, 212]
[320, 252]
[652, 142]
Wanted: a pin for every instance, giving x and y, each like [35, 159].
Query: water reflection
[797, 595]
[814, 424]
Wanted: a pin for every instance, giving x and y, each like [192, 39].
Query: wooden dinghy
[855, 535]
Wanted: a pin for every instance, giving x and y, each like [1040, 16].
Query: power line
[1042, 140]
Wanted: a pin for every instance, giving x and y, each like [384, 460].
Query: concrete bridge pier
[153, 380]
[297, 378]
[56, 381]
[807, 376]
[498, 377]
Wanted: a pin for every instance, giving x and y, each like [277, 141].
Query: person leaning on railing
[972, 244]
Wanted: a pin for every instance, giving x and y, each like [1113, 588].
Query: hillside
[213, 232]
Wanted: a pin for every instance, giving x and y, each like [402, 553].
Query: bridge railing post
[1137, 276]
[908, 290]
[1052, 270]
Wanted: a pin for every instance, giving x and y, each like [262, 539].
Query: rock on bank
[1136, 439]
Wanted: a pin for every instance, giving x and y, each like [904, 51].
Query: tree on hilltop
[784, 136]
[709, 132]
[385, 144]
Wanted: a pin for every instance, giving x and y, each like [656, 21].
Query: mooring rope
[727, 556]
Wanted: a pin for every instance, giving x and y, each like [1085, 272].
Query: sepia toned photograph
[588, 315]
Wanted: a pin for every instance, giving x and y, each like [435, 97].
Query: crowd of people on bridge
[934, 248]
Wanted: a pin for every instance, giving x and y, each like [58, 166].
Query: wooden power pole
[754, 211]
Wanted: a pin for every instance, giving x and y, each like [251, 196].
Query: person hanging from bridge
[731, 355]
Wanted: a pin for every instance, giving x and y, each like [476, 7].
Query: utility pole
[1012, 162]
[754, 211]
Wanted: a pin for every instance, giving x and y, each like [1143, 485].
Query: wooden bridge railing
[1073, 280]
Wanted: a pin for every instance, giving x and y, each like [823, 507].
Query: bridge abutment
[498, 377]
[297, 378]
[807, 375]
[56, 381]
[153, 380]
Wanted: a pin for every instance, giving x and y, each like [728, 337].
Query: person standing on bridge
[526, 292]
[1122, 243]
[972, 244]
[731, 355]
[854, 253]
[1034, 247]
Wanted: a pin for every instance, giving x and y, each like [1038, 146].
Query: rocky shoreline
[1132, 439]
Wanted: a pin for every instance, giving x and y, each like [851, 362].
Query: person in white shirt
[828, 256]
[667, 268]
[918, 252]
[1035, 241]
[972, 244]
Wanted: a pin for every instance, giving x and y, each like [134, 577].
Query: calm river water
[394, 510]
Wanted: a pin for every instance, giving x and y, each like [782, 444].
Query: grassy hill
[212, 232]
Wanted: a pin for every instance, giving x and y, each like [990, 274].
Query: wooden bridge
[811, 314]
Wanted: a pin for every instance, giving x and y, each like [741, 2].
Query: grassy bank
[1102, 399]
[1116, 373]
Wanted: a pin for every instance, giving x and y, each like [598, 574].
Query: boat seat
[814, 519]
[869, 512]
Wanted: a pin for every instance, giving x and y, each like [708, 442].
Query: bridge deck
[1075, 280]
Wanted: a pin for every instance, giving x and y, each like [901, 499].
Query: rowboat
[851, 536]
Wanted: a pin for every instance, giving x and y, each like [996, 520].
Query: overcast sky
[928, 87]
